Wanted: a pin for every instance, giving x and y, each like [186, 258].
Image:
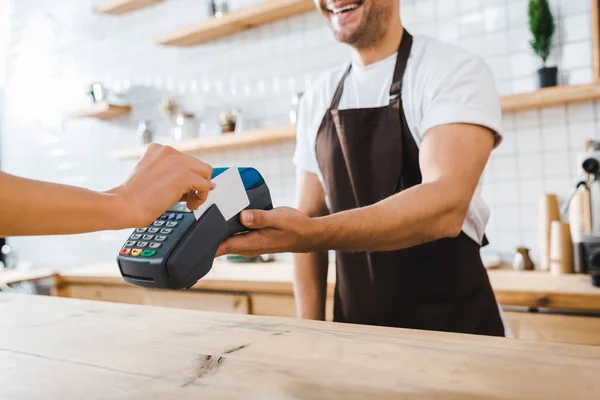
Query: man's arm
[452, 159]
[161, 178]
[310, 269]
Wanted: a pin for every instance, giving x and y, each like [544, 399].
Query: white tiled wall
[56, 48]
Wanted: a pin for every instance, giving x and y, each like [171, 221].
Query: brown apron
[367, 155]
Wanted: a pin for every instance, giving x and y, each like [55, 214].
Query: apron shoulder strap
[340, 89]
[403, 54]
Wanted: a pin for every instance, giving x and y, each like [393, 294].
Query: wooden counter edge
[556, 300]
[12, 277]
[219, 285]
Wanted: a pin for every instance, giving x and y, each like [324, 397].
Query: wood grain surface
[55, 348]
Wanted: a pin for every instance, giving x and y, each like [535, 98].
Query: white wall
[59, 47]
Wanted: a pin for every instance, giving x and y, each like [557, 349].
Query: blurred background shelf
[236, 21]
[102, 110]
[118, 7]
[550, 97]
[251, 138]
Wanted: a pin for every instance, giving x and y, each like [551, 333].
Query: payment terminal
[177, 250]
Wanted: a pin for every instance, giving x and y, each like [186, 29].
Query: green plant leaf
[541, 26]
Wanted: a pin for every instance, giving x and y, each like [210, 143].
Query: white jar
[185, 127]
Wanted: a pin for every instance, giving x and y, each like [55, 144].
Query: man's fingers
[221, 251]
[256, 219]
[245, 245]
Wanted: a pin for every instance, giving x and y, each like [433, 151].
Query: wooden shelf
[226, 141]
[102, 111]
[236, 21]
[550, 97]
[118, 7]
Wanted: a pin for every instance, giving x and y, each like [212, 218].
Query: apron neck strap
[340, 89]
[401, 62]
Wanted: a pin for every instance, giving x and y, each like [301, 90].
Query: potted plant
[541, 25]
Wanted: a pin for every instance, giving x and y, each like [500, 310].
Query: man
[162, 177]
[390, 153]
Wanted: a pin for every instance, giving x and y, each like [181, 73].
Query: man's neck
[387, 46]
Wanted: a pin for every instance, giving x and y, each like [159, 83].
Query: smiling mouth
[342, 9]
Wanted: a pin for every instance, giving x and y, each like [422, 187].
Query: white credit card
[229, 195]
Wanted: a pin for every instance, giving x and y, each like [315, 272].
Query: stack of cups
[561, 248]
[548, 213]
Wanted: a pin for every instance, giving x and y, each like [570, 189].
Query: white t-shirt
[443, 84]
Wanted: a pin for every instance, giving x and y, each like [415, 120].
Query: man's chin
[347, 38]
[346, 35]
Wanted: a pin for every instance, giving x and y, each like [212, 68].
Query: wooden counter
[72, 349]
[512, 288]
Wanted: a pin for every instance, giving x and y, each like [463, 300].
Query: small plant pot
[548, 77]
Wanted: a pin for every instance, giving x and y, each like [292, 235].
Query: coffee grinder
[587, 245]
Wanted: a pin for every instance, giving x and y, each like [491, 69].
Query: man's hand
[162, 177]
[280, 230]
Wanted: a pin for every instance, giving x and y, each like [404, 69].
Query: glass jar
[185, 127]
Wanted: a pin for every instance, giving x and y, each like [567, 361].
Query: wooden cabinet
[193, 300]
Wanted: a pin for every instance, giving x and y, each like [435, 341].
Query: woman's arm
[161, 178]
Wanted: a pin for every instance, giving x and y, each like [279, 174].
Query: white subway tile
[530, 166]
[525, 85]
[496, 43]
[556, 165]
[505, 192]
[554, 137]
[507, 217]
[523, 64]
[424, 10]
[580, 132]
[505, 168]
[554, 115]
[407, 12]
[465, 6]
[529, 216]
[579, 112]
[471, 24]
[527, 119]
[519, 39]
[449, 30]
[489, 3]
[579, 76]
[495, 19]
[530, 189]
[446, 10]
[576, 27]
[528, 140]
[577, 54]
[570, 7]
[517, 13]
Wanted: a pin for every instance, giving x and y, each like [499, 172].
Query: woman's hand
[162, 177]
